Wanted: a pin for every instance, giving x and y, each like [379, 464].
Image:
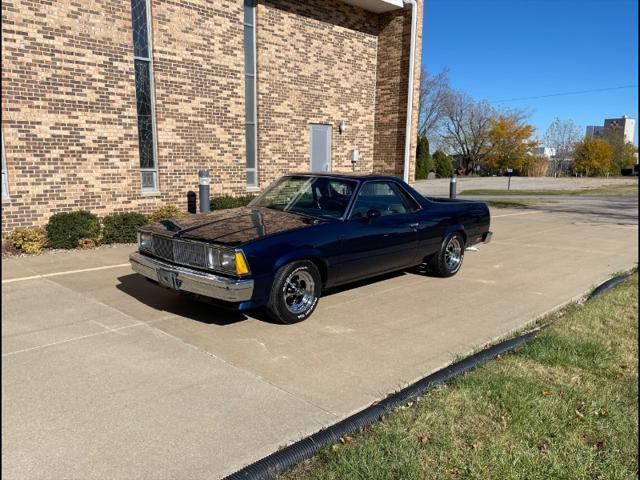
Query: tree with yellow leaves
[593, 156]
[511, 142]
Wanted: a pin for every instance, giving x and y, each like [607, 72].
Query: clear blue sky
[505, 49]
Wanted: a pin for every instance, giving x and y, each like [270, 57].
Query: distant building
[547, 152]
[594, 131]
[620, 128]
[614, 129]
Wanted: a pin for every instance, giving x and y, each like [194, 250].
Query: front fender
[299, 254]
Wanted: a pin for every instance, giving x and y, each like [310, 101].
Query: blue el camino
[306, 233]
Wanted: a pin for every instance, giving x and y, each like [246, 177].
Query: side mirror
[372, 214]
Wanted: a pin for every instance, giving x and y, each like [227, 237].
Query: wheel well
[322, 268]
[464, 235]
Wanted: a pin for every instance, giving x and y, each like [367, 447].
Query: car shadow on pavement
[191, 307]
[210, 312]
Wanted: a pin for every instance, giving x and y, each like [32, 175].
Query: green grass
[563, 406]
[621, 190]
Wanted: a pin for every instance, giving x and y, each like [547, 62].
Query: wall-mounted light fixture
[342, 126]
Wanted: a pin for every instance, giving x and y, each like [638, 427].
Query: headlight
[227, 260]
[145, 241]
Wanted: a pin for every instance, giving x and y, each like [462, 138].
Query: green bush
[28, 240]
[122, 227]
[166, 213]
[227, 201]
[443, 164]
[424, 161]
[67, 228]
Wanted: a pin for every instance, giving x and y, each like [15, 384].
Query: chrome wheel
[453, 254]
[299, 291]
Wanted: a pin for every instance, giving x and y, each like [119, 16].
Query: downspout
[412, 54]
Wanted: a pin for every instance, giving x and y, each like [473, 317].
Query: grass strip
[616, 190]
[562, 406]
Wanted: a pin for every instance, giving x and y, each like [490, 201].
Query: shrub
[8, 248]
[444, 166]
[28, 240]
[87, 243]
[165, 213]
[67, 228]
[424, 161]
[121, 227]
[227, 201]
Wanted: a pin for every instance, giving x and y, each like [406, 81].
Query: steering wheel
[331, 204]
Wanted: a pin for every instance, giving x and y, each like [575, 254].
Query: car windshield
[314, 196]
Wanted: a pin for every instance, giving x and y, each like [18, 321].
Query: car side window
[382, 196]
[410, 204]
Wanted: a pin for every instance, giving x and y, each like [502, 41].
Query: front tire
[448, 260]
[295, 292]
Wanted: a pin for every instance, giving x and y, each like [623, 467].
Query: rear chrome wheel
[295, 292]
[449, 259]
[453, 253]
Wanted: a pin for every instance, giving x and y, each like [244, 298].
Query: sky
[500, 50]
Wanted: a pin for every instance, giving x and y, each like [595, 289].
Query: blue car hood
[231, 227]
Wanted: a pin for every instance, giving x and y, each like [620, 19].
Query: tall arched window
[142, 54]
[250, 96]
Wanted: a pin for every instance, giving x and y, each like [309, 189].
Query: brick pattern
[391, 93]
[68, 105]
[316, 64]
[68, 97]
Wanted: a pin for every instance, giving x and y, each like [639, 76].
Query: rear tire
[295, 292]
[448, 260]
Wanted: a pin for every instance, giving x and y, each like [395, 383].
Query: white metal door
[320, 148]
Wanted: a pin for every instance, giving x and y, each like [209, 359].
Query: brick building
[114, 105]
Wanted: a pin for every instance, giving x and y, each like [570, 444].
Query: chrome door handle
[414, 226]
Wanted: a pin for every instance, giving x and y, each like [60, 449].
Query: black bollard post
[452, 187]
[203, 190]
[192, 201]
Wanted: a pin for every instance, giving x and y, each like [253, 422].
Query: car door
[385, 242]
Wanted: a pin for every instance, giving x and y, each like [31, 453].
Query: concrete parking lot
[105, 375]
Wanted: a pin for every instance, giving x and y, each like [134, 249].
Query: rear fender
[456, 227]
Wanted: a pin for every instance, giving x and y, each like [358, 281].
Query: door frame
[311, 125]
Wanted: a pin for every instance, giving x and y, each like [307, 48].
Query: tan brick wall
[68, 105]
[316, 64]
[68, 98]
[199, 85]
[391, 93]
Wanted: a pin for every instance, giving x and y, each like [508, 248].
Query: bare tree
[466, 124]
[561, 136]
[433, 90]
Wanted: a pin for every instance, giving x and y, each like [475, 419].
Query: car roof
[347, 176]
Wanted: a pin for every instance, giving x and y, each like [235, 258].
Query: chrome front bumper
[190, 280]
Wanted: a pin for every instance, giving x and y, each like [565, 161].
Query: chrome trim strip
[194, 281]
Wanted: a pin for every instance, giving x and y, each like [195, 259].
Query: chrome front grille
[179, 251]
[163, 247]
[190, 254]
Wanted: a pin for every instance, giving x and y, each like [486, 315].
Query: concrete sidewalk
[107, 376]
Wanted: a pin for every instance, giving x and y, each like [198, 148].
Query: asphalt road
[104, 375]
